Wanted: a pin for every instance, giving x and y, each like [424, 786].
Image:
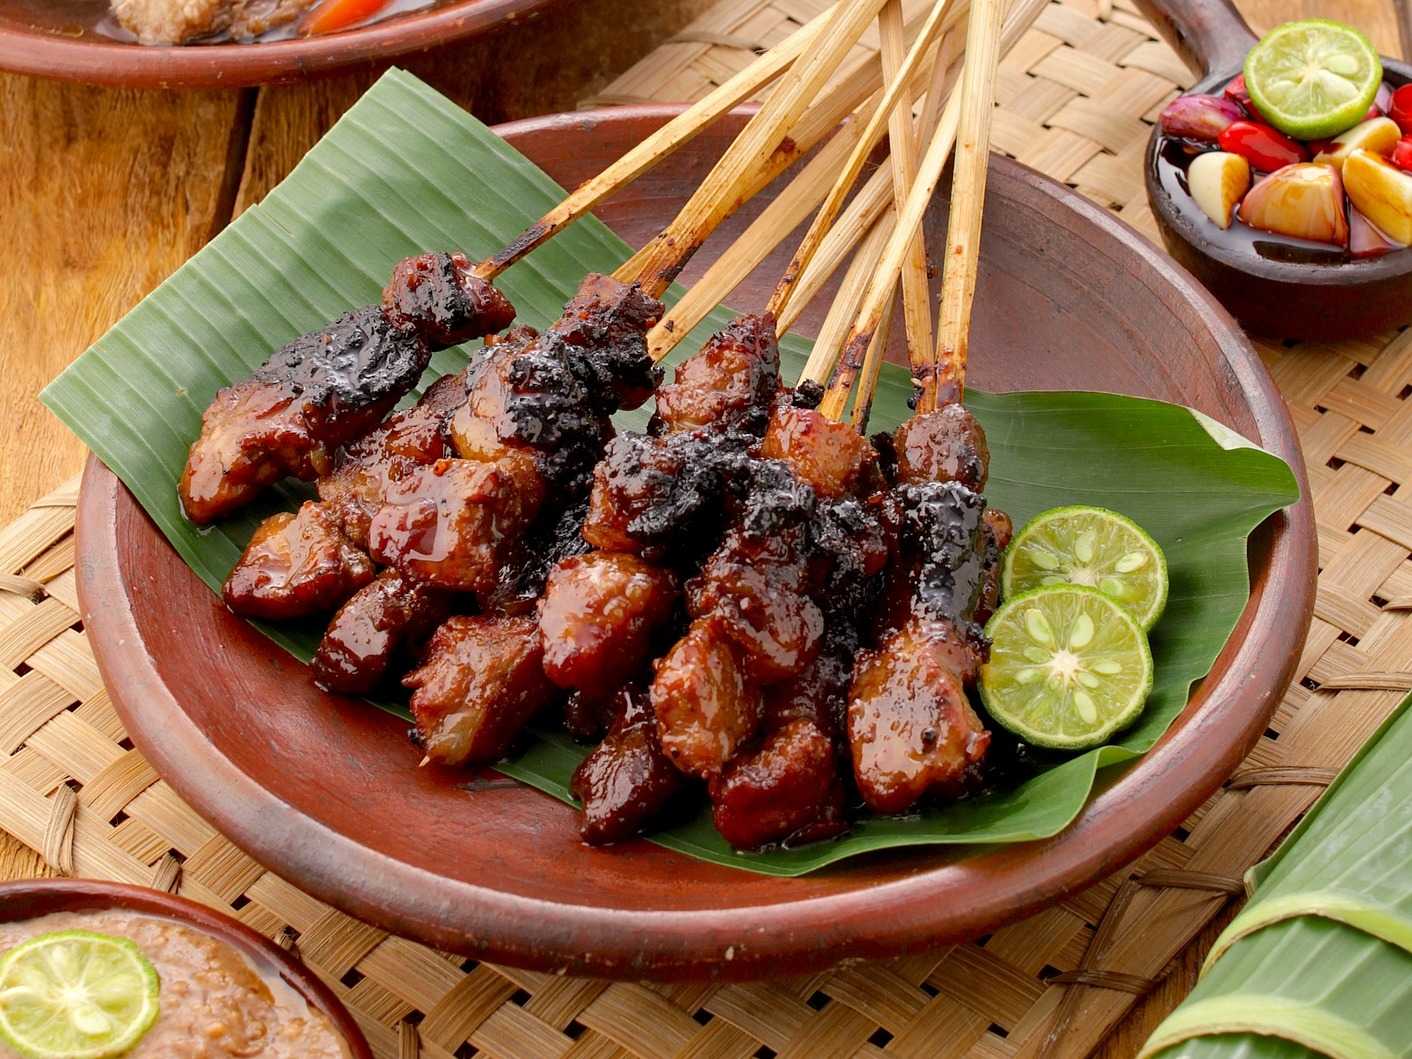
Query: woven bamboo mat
[1077, 98]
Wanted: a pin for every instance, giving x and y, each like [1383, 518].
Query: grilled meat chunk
[439, 296]
[947, 445]
[598, 618]
[728, 385]
[757, 589]
[365, 470]
[831, 457]
[911, 730]
[381, 621]
[457, 522]
[296, 564]
[706, 706]
[787, 787]
[480, 684]
[627, 784]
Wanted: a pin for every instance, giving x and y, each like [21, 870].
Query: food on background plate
[98, 984]
[164, 22]
[1267, 161]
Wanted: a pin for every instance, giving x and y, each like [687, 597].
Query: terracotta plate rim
[1133, 809]
[32, 51]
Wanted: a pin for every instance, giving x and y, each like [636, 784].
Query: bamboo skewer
[878, 297]
[678, 132]
[724, 189]
[880, 120]
[845, 303]
[947, 380]
[902, 145]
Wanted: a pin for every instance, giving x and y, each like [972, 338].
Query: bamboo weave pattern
[1076, 101]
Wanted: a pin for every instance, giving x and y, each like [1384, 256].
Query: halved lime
[1068, 667]
[76, 994]
[1313, 78]
[1083, 545]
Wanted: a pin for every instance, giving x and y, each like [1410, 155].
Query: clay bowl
[1274, 298]
[59, 38]
[39, 897]
[327, 791]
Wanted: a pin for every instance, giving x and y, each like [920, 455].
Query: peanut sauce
[215, 1002]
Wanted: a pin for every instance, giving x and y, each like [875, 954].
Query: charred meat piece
[554, 537]
[832, 457]
[706, 706]
[456, 522]
[321, 390]
[663, 494]
[757, 589]
[296, 564]
[598, 618]
[911, 730]
[728, 385]
[440, 297]
[382, 620]
[480, 684]
[938, 565]
[366, 469]
[627, 784]
[787, 786]
[947, 445]
[997, 530]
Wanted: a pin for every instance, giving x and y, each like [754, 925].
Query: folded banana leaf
[1350, 858]
[405, 170]
[1325, 987]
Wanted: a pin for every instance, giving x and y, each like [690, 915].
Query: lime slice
[1314, 78]
[74, 994]
[1091, 546]
[1068, 667]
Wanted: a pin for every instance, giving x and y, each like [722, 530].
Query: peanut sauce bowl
[32, 898]
[327, 791]
[1279, 294]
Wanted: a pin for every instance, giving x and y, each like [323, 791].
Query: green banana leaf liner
[406, 170]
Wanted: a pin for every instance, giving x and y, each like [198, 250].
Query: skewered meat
[320, 391]
[756, 587]
[831, 456]
[788, 788]
[947, 445]
[706, 707]
[598, 618]
[364, 470]
[441, 298]
[296, 564]
[911, 728]
[381, 620]
[728, 385]
[456, 522]
[554, 537]
[482, 681]
[627, 784]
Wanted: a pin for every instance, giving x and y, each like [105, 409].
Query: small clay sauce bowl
[327, 791]
[30, 898]
[61, 39]
[1274, 298]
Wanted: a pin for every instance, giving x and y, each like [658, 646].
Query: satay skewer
[946, 381]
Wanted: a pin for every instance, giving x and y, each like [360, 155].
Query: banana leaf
[1350, 858]
[1314, 983]
[406, 170]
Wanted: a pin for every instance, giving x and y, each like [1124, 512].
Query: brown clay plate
[327, 792]
[29, 898]
[60, 38]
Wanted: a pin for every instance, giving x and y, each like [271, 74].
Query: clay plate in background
[44, 39]
[39, 897]
[327, 792]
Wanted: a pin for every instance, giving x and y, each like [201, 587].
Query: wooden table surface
[104, 192]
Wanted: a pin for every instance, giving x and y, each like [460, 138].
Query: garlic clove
[1379, 135]
[1304, 201]
[1382, 192]
[1218, 180]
